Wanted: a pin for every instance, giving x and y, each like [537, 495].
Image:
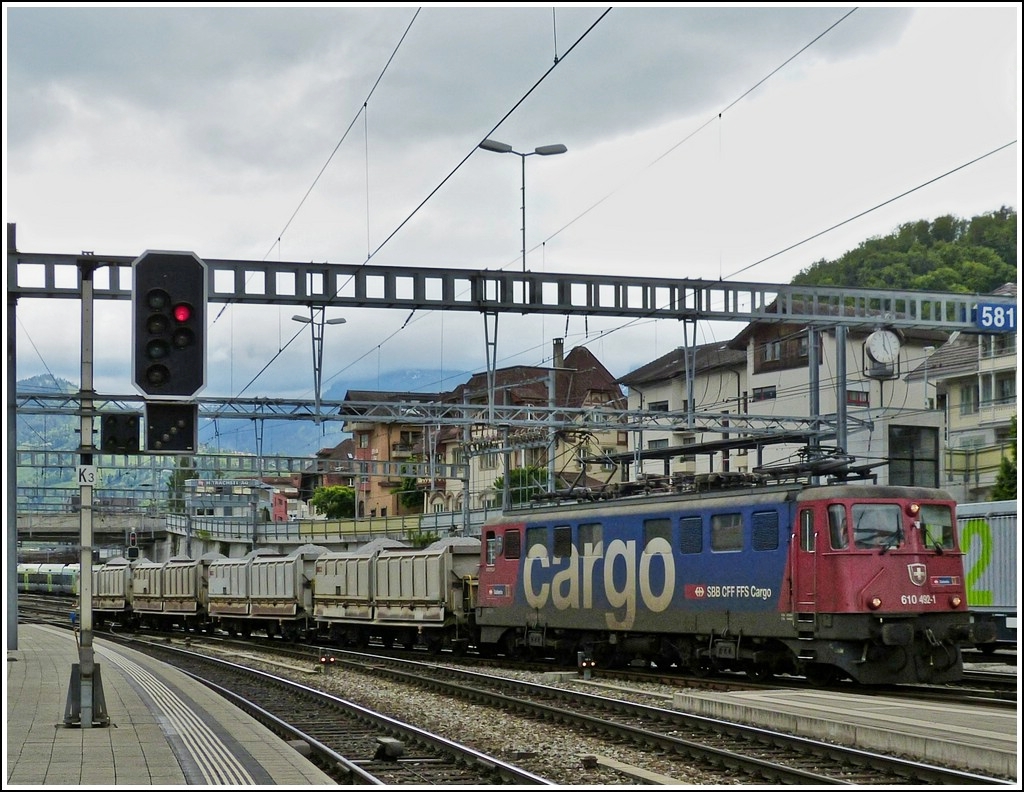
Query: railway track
[753, 755]
[352, 744]
[747, 754]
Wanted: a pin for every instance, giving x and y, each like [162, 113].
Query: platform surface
[164, 727]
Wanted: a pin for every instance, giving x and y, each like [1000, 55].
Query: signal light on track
[169, 299]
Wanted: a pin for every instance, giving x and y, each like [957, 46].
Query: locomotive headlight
[875, 603]
[913, 509]
[955, 601]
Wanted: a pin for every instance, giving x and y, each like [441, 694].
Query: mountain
[280, 438]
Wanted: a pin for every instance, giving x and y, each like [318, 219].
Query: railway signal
[172, 427]
[119, 433]
[169, 296]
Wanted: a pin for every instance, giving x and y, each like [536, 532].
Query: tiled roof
[959, 356]
[673, 364]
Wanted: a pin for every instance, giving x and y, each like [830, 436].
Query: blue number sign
[995, 318]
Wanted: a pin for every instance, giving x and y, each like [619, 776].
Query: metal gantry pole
[86, 706]
[12, 458]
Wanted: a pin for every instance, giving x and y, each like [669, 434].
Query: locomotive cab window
[936, 526]
[837, 526]
[493, 543]
[726, 532]
[807, 530]
[512, 544]
[876, 525]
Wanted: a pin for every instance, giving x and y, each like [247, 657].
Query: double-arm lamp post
[316, 322]
[505, 148]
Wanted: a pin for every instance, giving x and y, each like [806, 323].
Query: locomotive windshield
[877, 525]
[937, 526]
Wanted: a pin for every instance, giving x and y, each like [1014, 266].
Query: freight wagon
[988, 536]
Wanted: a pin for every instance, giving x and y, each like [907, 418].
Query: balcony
[402, 450]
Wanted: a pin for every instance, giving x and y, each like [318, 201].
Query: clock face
[883, 346]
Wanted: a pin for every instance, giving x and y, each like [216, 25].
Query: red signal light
[182, 312]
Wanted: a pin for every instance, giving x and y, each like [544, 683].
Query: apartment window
[607, 464]
[914, 456]
[1006, 388]
[653, 444]
[364, 439]
[772, 351]
[858, 398]
[764, 394]
[688, 440]
[969, 399]
[999, 344]
[658, 406]
[488, 461]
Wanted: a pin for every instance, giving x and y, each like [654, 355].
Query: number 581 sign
[996, 318]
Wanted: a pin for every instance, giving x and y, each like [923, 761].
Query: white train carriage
[343, 592]
[395, 594]
[147, 592]
[112, 592]
[281, 592]
[268, 592]
[228, 594]
[427, 595]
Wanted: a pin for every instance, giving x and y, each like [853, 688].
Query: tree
[946, 254]
[1006, 479]
[410, 497]
[524, 483]
[335, 502]
[176, 485]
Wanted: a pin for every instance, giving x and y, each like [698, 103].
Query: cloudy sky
[703, 142]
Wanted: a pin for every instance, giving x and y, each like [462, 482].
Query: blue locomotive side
[623, 574]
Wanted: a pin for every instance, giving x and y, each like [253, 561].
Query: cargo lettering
[572, 586]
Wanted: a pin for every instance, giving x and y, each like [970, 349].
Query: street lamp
[505, 148]
[316, 323]
[928, 354]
